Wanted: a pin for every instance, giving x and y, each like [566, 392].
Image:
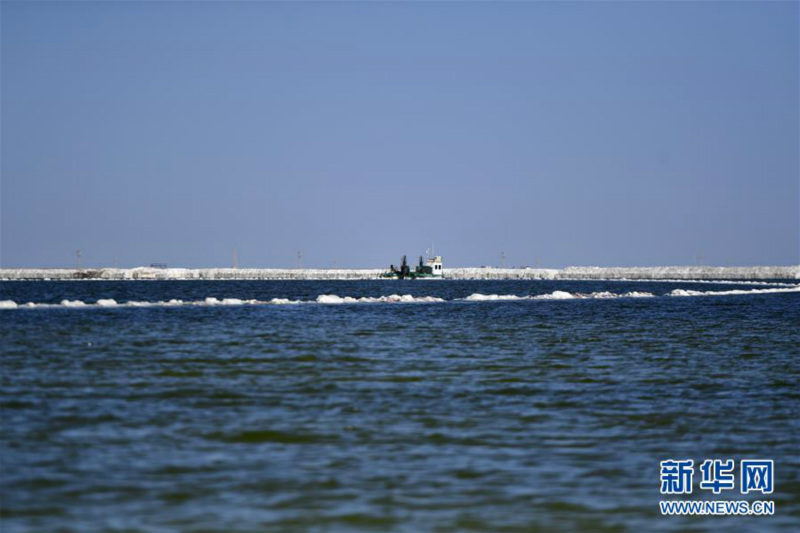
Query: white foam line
[393, 298]
[561, 295]
[212, 301]
[333, 299]
[708, 281]
[685, 292]
[556, 295]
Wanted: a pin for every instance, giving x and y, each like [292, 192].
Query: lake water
[534, 414]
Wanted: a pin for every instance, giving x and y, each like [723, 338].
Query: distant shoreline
[489, 273]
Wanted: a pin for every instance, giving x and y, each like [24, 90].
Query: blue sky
[573, 133]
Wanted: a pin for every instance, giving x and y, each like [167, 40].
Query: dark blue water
[530, 415]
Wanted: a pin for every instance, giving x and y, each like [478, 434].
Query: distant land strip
[482, 273]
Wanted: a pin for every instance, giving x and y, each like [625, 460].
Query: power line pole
[78, 259]
[235, 260]
[299, 260]
[502, 259]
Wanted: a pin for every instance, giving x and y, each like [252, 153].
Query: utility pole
[502, 259]
[116, 262]
[299, 260]
[235, 260]
[78, 259]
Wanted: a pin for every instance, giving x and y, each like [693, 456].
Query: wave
[393, 298]
[213, 301]
[557, 295]
[700, 281]
[686, 292]
[478, 297]
[333, 299]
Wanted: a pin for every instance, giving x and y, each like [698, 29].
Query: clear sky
[595, 133]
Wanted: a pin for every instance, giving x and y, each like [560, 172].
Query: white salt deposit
[674, 273]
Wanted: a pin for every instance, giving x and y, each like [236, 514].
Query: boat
[431, 269]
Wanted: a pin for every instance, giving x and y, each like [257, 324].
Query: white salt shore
[697, 273]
